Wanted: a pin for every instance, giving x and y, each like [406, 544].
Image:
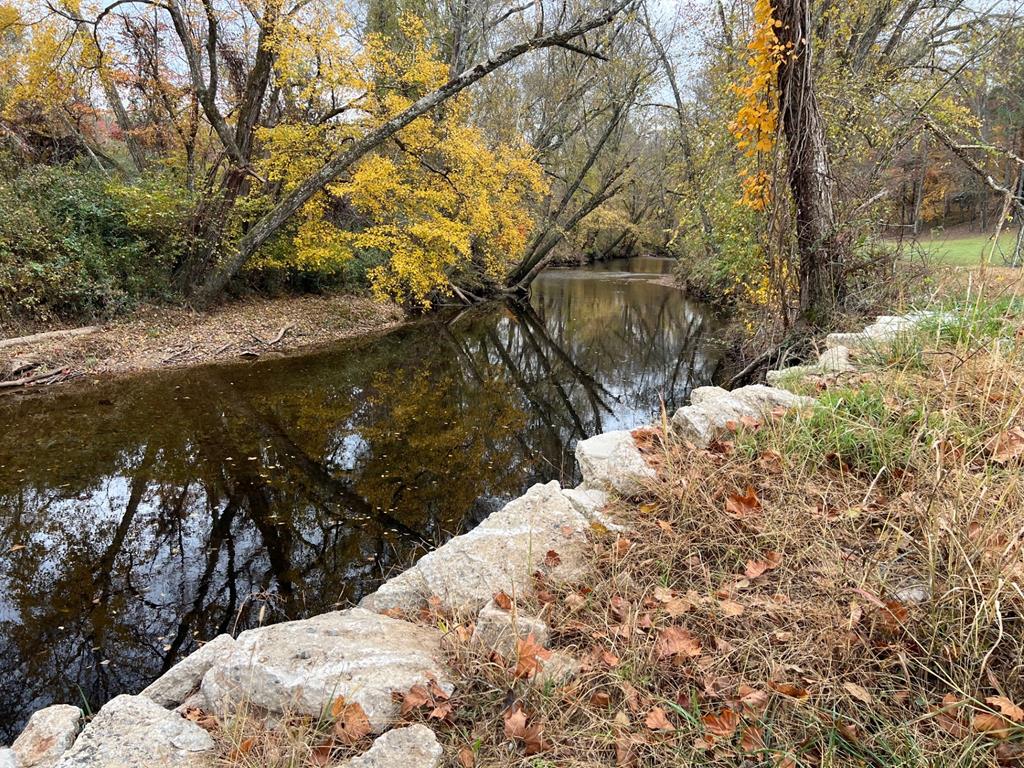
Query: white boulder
[48, 735]
[300, 667]
[499, 555]
[183, 679]
[713, 409]
[612, 461]
[135, 731]
[414, 746]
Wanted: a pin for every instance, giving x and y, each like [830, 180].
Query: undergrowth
[837, 586]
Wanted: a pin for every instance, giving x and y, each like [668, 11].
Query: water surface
[140, 516]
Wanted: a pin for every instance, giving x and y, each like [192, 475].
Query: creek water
[142, 516]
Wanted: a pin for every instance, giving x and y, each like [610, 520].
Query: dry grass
[835, 587]
[861, 606]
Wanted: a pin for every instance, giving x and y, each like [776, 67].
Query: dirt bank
[161, 337]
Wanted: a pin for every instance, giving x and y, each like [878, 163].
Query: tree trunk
[822, 288]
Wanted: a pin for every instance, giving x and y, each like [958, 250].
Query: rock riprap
[300, 667]
[183, 679]
[611, 461]
[135, 731]
[499, 555]
[48, 735]
[415, 746]
[713, 410]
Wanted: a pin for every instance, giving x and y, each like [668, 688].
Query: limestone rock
[48, 735]
[557, 669]
[498, 629]
[590, 502]
[612, 461]
[711, 409]
[135, 731]
[883, 331]
[180, 681]
[414, 746]
[836, 360]
[500, 554]
[300, 667]
[7, 759]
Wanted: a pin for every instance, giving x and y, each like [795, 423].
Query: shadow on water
[141, 516]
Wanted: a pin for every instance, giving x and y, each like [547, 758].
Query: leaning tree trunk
[822, 288]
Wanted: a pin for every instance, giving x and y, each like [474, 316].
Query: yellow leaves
[756, 120]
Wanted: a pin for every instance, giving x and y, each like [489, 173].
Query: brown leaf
[552, 559]
[755, 568]
[416, 697]
[859, 693]
[609, 658]
[622, 546]
[752, 700]
[751, 739]
[676, 641]
[467, 758]
[722, 724]
[731, 608]
[657, 720]
[1007, 707]
[530, 656]
[894, 616]
[515, 722]
[1007, 445]
[792, 690]
[351, 725]
[503, 601]
[743, 505]
[321, 755]
[665, 526]
[600, 699]
[664, 594]
[996, 726]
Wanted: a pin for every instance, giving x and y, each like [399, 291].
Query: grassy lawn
[966, 251]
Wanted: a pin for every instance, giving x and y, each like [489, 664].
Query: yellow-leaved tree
[437, 205]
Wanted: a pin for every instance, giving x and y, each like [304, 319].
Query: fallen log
[48, 335]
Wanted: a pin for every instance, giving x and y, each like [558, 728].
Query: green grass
[959, 251]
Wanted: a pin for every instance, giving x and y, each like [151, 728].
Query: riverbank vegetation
[832, 586]
[441, 153]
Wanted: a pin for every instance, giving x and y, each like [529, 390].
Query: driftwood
[280, 334]
[37, 337]
[34, 378]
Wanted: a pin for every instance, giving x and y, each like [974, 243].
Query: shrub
[75, 244]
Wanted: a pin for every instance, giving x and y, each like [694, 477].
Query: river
[141, 516]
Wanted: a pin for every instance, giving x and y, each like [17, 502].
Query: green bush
[76, 244]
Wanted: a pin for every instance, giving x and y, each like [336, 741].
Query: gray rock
[300, 667]
[590, 502]
[500, 554]
[836, 360]
[612, 461]
[557, 669]
[414, 746]
[498, 629]
[136, 732]
[183, 679]
[48, 735]
[883, 331]
[712, 409]
[7, 759]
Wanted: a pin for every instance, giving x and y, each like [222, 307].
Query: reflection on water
[139, 517]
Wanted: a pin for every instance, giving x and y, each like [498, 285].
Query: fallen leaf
[515, 722]
[792, 690]
[530, 656]
[722, 724]
[600, 699]
[731, 608]
[751, 739]
[416, 697]
[622, 546]
[751, 699]
[503, 601]
[859, 693]
[657, 720]
[743, 505]
[351, 724]
[609, 658]
[552, 559]
[1007, 707]
[665, 526]
[755, 568]
[1007, 445]
[996, 726]
[677, 607]
[676, 641]
[467, 759]
[664, 594]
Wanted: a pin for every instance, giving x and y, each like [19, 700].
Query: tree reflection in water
[138, 517]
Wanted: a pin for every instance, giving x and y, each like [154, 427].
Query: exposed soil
[162, 337]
